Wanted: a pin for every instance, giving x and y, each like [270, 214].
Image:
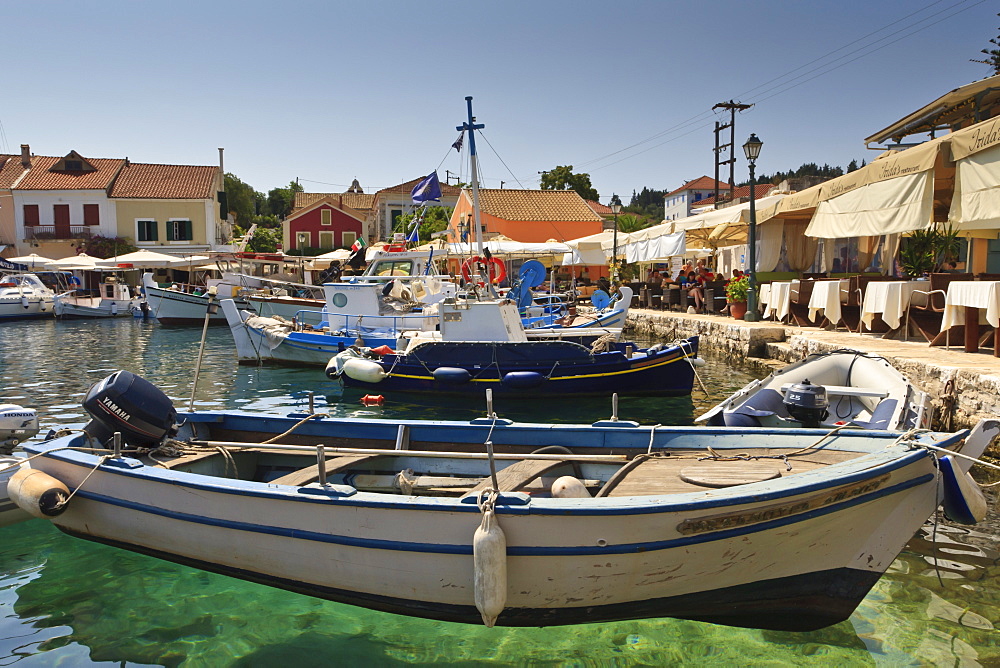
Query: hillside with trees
[250, 207]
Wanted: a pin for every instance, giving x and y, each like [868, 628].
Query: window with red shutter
[91, 214]
[30, 214]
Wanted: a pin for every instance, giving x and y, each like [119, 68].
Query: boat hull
[172, 307]
[534, 370]
[795, 553]
[94, 308]
[14, 308]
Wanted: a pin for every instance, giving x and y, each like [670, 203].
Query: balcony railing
[57, 232]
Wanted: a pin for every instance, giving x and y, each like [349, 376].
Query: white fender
[37, 493]
[489, 557]
[24, 301]
[568, 487]
[364, 371]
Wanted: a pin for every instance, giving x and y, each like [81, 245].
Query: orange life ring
[495, 268]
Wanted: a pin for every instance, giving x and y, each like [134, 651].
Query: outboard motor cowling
[807, 403]
[129, 404]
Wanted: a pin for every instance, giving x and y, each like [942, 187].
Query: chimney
[25, 156]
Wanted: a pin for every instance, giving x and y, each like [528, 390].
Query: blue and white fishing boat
[488, 520]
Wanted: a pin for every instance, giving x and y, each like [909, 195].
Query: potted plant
[736, 296]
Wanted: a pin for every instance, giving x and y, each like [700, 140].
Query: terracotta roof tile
[10, 170]
[146, 181]
[541, 205]
[359, 201]
[599, 208]
[702, 183]
[407, 188]
[40, 178]
[742, 192]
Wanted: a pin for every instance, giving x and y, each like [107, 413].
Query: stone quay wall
[963, 387]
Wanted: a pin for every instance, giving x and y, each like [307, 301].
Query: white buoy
[364, 371]
[489, 557]
[568, 487]
[37, 493]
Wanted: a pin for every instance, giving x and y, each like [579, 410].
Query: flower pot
[738, 309]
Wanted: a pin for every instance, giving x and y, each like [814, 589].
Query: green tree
[280, 200]
[242, 199]
[992, 55]
[631, 223]
[105, 247]
[436, 219]
[264, 240]
[563, 178]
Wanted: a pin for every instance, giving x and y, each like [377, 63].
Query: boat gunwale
[856, 470]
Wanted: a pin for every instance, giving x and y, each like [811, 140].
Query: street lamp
[752, 149]
[616, 208]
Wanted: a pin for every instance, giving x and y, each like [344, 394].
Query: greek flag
[458, 142]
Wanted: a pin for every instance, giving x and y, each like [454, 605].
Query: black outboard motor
[807, 403]
[126, 403]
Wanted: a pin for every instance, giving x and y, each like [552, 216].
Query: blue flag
[429, 189]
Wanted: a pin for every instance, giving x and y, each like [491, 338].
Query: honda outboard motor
[807, 403]
[126, 403]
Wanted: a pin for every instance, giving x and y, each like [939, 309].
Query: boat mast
[471, 127]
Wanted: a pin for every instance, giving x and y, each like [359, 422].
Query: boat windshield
[392, 268]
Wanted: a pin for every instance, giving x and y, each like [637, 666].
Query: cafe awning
[892, 194]
[975, 204]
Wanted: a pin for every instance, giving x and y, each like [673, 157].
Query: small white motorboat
[24, 296]
[831, 389]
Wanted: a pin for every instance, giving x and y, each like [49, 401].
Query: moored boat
[828, 389]
[24, 296]
[578, 523]
[114, 300]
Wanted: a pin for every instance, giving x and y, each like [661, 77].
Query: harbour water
[65, 601]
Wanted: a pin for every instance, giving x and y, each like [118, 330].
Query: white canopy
[891, 195]
[147, 259]
[661, 247]
[34, 261]
[508, 248]
[589, 250]
[81, 261]
[976, 151]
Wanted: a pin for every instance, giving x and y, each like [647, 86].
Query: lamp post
[616, 208]
[752, 149]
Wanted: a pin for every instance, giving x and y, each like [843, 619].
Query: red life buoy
[372, 400]
[495, 268]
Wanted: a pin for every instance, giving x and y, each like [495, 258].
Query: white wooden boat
[114, 300]
[830, 389]
[17, 424]
[591, 523]
[24, 295]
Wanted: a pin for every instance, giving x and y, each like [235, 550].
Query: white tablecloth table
[978, 301]
[777, 298]
[890, 300]
[825, 300]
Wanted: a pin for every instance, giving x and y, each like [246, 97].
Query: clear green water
[69, 602]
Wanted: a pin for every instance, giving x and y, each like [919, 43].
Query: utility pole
[448, 175]
[733, 107]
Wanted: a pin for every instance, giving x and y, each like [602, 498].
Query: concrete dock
[963, 387]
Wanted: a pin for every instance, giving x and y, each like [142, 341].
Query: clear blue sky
[328, 91]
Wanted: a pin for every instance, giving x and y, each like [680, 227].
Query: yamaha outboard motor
[126, 403]
[807, 403]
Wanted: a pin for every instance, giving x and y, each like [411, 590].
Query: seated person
[694, 287]
[655, 283]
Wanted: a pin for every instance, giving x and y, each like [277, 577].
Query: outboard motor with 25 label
[807, 403]
[130, 404]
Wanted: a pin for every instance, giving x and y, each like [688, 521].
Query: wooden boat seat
[310, 474]
[177, 462]
[518, 475]
[728, 474]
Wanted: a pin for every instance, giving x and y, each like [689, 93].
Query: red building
[326, 223]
